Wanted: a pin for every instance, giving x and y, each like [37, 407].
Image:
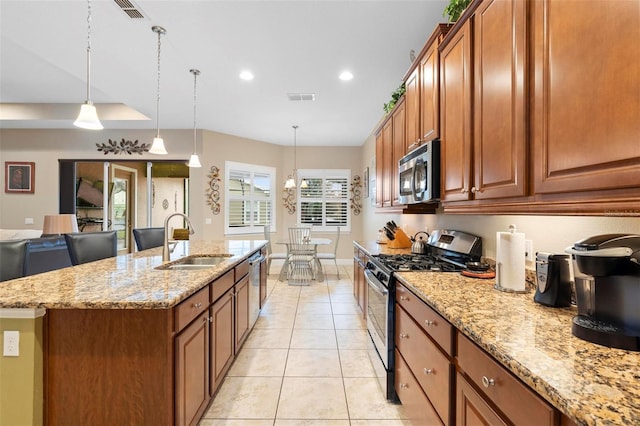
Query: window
[324, 203]
[249, 198]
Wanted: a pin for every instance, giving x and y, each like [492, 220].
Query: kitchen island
[590, 384]
[126, 343]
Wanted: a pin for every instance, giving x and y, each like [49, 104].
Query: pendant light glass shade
[290, 183]
[157, 147]
[194, 161]
[88, 116]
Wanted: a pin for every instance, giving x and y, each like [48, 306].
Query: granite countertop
[125, 281]
[591, 384]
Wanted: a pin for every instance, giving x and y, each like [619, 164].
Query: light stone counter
[591, 384]
[126, 281]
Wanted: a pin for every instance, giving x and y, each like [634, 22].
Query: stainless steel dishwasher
[254, 286]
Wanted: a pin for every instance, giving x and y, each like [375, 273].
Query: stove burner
[415, 262]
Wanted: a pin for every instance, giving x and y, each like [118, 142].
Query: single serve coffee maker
[553, 280]
[607, 281]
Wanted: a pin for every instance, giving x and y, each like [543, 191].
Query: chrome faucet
[166, 252]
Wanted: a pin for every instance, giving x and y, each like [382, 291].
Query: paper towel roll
[510, 260]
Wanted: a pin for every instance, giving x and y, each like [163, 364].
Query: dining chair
[13, 256]
[87, 247]
[147, 238]
[300, 256]
[331, 256]
[270, 254]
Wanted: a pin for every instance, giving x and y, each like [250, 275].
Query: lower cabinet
[471, 408]
[416, 405]
[222, 348]
[241, 305]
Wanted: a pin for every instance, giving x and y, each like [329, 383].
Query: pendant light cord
[295, 152]
[89, 51]
[160, 32]
[195, 76]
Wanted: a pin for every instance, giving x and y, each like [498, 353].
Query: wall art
[213, 192]
[356, 191]
[19, 177]
[123, 147]
[289, 200]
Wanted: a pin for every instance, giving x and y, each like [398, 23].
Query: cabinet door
[263, 280]
[362, 289]
[455, 108]
[412, 101]
[192, 371]
[221, 338]
[399, 150]
[387, 160]
[430, 94]
[241, 312]
[379, 167]
[471, 409]
[415, 404]
[586, 107]
[500, 142]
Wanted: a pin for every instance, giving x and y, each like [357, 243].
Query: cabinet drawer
[241, 270]
[416, 405]
[429, 365]
[221, 285]
[513, 398]
[186, 311]
[429, 320]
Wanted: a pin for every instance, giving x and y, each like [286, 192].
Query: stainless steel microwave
[419, 174]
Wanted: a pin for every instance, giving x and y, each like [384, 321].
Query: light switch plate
[28, 221]
[11, 343]
[528, 248]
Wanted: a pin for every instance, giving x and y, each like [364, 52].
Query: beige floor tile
[300, 422]
[235, 422]
[380, 422]
[340, 288]
[313, 363]
[314, 321]
[313, 339]
[348, 308]
[374, 406]
[269, 338]
[312, 398]
[260, 362]
[246, 398]
[352, 339]
[275, 321]
[349, 322]
[315, 298]
[284, 308]
[314, 308]
[356, 363]
[342, 297]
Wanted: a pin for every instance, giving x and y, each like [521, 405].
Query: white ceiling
[290, 46]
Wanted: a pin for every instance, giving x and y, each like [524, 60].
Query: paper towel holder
[497, 286]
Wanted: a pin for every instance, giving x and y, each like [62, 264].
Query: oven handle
[374, 283]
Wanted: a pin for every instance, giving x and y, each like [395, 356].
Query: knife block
[401, 240]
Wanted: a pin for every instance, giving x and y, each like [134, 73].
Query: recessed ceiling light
[246, 75]
[345, 76]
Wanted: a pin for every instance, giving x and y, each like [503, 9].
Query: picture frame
[19, 177]
[365, 182]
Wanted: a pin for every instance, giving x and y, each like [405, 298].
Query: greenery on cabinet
[395, 96]
[455, 8]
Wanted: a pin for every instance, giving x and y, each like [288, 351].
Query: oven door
[377, 315]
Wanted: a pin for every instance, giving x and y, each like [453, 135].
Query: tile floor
[305, 363]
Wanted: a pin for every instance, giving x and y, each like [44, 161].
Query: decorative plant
[455, 8]
[397, 94]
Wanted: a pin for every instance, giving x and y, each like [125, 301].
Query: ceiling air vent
[131, 9]
[301, 96]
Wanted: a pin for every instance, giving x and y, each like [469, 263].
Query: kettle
[419, 246]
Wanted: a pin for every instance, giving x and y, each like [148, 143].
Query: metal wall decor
[356, 191]
[213, 193]
[123, 147]
[289, 199]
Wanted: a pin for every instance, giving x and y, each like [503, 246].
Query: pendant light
[158, 144]
[88, 116]
[291, 180]
[194, 161]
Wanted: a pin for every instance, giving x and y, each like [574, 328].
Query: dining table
[313, 242]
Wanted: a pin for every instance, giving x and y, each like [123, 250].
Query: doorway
[123, 206]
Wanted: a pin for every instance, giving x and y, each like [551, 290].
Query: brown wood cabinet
[430, 367]
[586, 102]
[359, 282]
[471, 408]
[417, 406]
[483, 82]
[399, 150]
[412, 101]
[499, 388]
[241, 300]
[222, 338]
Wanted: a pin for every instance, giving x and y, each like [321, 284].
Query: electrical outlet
[528, 249]
[11, 343]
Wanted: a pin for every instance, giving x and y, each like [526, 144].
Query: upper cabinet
[586, 96]
[483, 103]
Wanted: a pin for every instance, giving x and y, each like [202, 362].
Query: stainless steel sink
[195, 262]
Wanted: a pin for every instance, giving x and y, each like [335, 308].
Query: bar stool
[147, 238]
[13, 255]
[91, 246]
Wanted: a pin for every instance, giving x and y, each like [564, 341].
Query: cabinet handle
[428, 371]
[211, 320]
[429, 323]
[404, 336]
[464, 191]
[197, 305]
[404, 298]
[486, 382]
[205, 319]
[403, 385]
[474, 190]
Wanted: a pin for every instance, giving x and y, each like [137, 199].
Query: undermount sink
[195, 262]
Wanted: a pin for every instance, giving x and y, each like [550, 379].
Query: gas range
[416, 262]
